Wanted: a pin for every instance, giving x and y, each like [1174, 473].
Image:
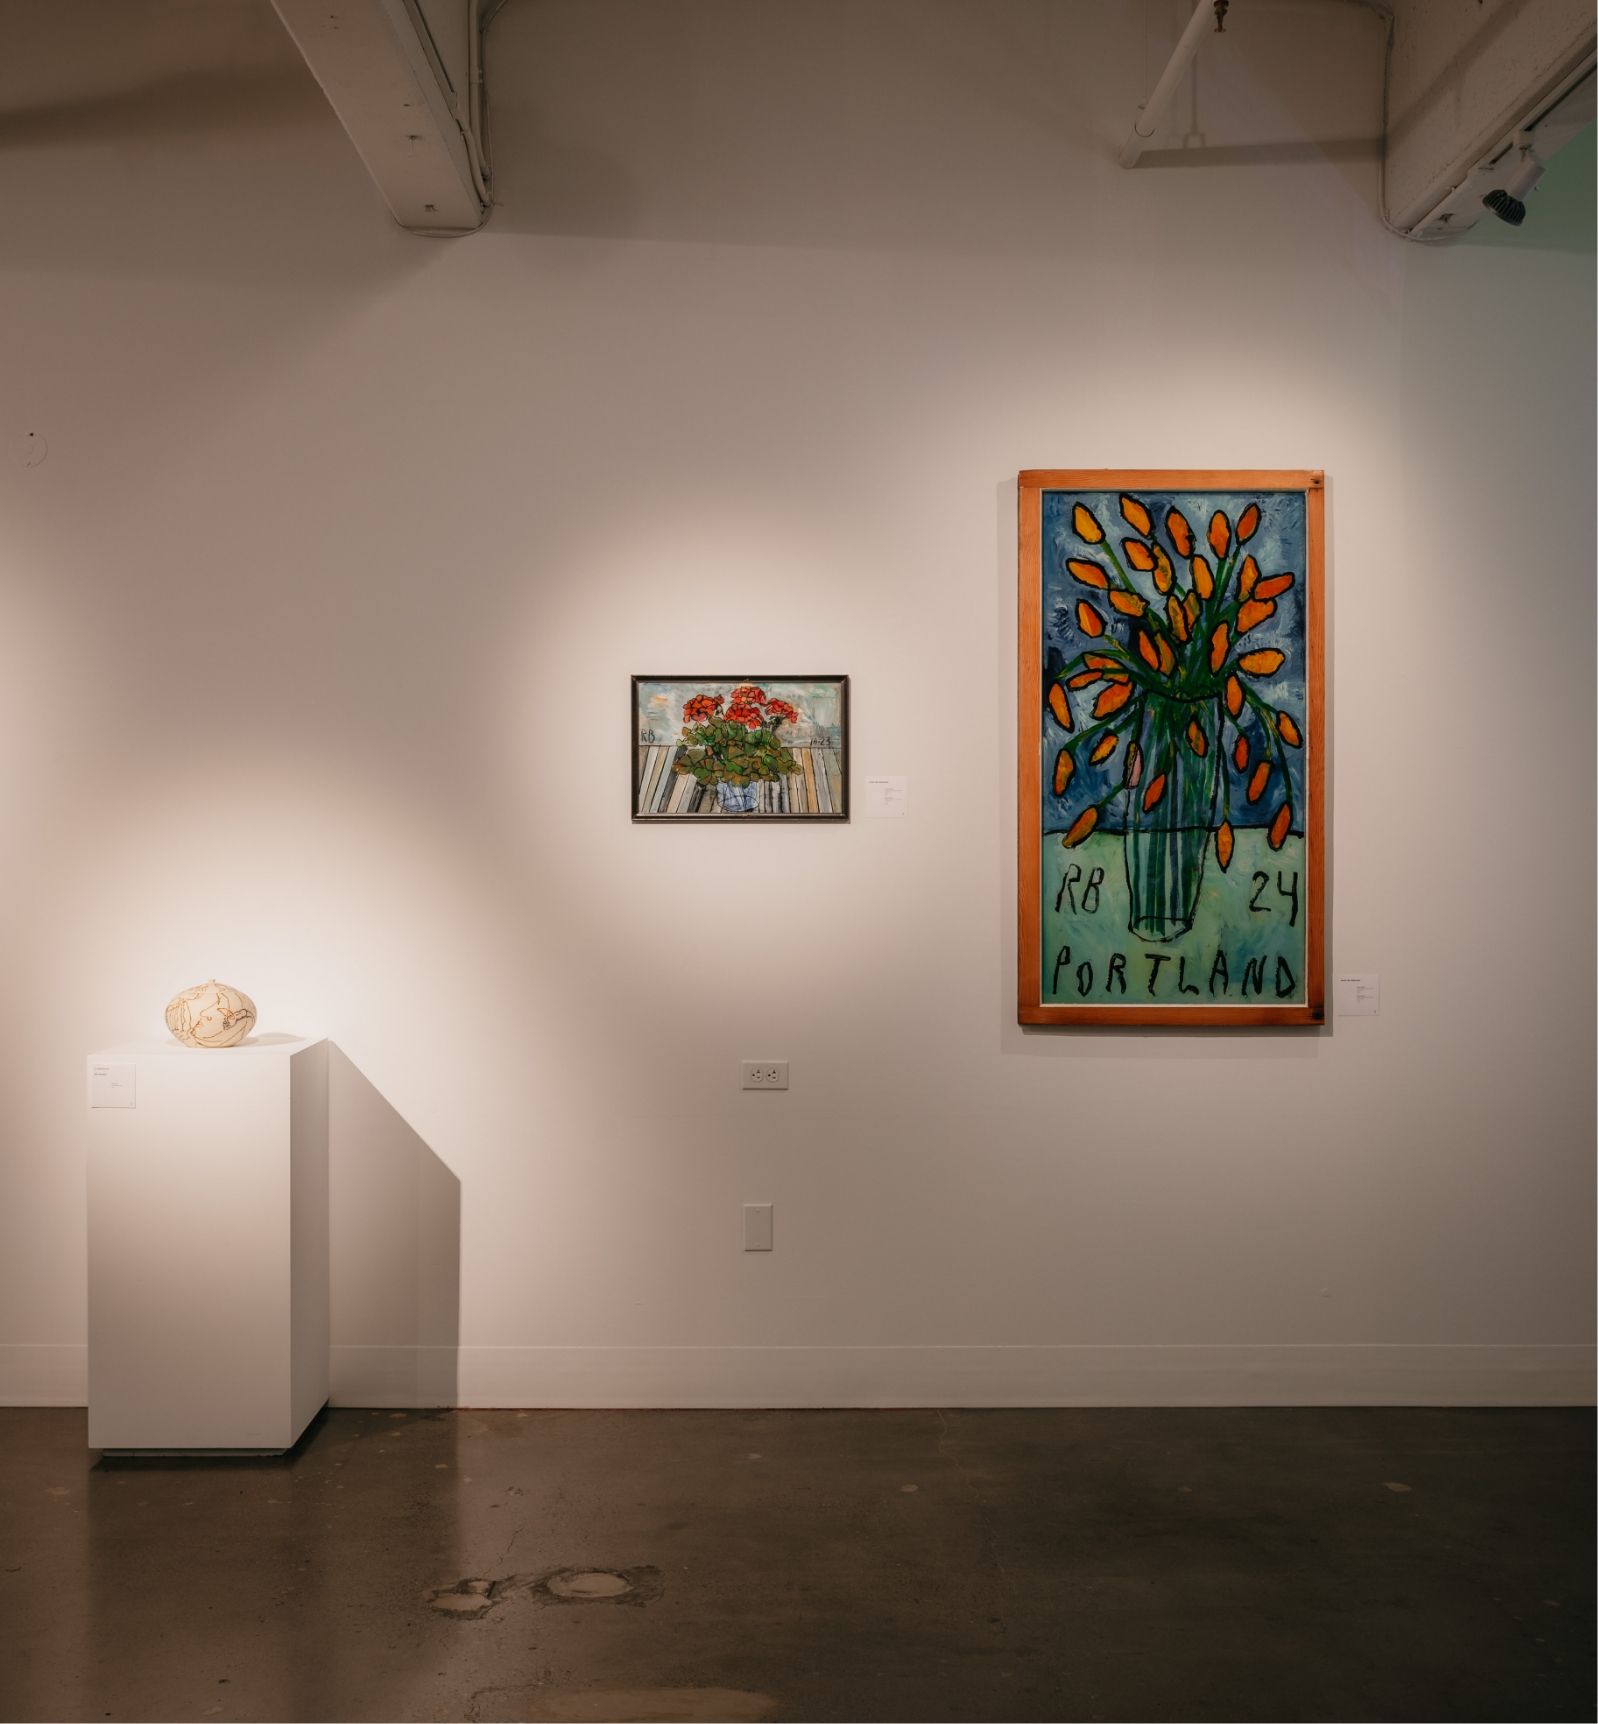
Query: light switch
[757, 1226]
[113, 1086]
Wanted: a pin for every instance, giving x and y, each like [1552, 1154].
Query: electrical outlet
[765, 1074]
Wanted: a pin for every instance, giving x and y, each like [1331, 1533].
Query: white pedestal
[208, 1245]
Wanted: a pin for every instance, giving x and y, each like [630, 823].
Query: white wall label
[1358, 996]
[887, 798]
[113, 1086]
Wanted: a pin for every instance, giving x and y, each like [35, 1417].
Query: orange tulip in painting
[1252, 614]
[1081, 827]
[1266, 663]
[1138, 554]
[1112, 700]
[1136, 516]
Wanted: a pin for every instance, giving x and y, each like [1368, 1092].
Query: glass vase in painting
[1166, 843]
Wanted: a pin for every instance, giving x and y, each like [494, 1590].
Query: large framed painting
[1172, 748]
[740, 747]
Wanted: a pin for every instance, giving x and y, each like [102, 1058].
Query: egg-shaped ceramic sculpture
[213, 1015]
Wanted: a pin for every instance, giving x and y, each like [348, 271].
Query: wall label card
[1171, 747]
[113, 1085]
[1358, 996]
[887, 798]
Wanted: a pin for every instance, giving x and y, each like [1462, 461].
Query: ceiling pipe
[1147, 122]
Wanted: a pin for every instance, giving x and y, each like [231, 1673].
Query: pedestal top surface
[252, 1047]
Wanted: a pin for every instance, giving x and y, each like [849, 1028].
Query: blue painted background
[1279, 547]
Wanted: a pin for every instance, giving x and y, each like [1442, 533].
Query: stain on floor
[467, 1600]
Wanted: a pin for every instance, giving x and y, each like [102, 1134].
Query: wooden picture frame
[1171, 748]
[740, 748]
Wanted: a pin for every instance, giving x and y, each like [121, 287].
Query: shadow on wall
[181, 108]
[886, 124]
[395, 1245]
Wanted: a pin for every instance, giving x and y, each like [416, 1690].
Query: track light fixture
[1523, 171]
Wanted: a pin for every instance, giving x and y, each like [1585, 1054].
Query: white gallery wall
[326, 553]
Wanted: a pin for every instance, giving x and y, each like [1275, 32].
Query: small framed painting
[740, 747]
[1171, 748]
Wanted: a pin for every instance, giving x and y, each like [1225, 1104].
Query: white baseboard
[44, 1376]
[1069, 1376]
[394, 1377]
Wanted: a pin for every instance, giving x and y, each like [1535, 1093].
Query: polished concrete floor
[1207, 1564]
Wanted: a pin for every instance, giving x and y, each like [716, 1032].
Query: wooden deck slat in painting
[809, 768]
[651, 777]
[834, 767]
[663, 778]
[681, 792]
[823, 790]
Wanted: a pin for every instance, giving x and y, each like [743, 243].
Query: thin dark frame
[1031, 484]
[834, 818]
